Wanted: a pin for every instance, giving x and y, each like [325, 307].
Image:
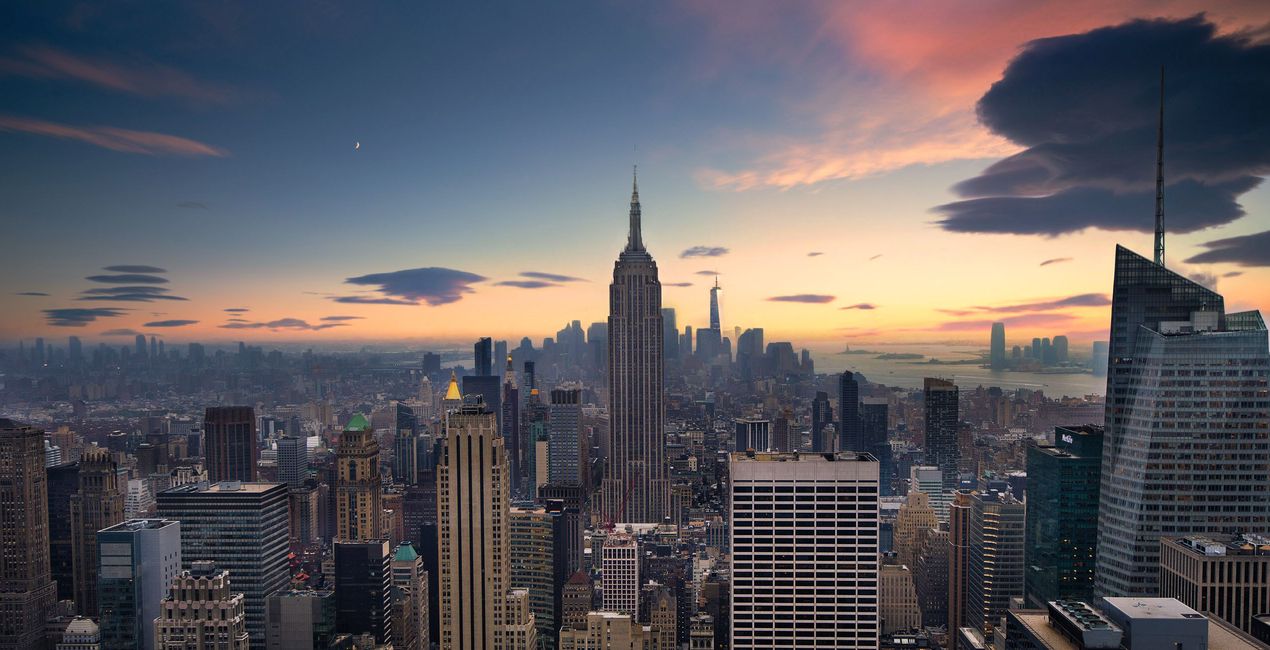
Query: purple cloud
[1245, 250]
[812, 298]
[332, 319]
[79, 317]
[134, 268]
[526, 284]
[862, 305]
[282, 324]
[1080, 300]
[550, 277]
[128, 278]
[31, 293]
[704, 251]
[433, 285]
[170, 323]
[120, 332]
[676, 284]
[708, 272]
[236, 310]
[139, 293]
[1055, 260]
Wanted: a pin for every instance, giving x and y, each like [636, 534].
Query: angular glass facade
[1062, 516]
[1187, 446]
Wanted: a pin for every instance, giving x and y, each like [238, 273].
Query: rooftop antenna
[1159, 180]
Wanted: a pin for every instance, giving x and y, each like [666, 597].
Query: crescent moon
[357, 145]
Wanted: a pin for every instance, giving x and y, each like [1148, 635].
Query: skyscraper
[243, 529]
[821, 417]
[27, 590]
[229, 443]
[828, 509]
[1186, 449]
[619, 574]
[565, 446]
[363, 584]
[533, 563]
[849, 438]
[139, 560]
[958, 556]
[510, 425]
[635, 485]
[714, 306]
[293, 460]
[669, 333]
[410, 599]
[1062, 516]
[941, 429]
[98, 504]
[63, 484]
[358, 486]
[203, 610]
[483, 352]
[473, 493]
[994, 562]
[996, 354]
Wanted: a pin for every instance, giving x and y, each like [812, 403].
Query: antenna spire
[635, 239]
[1159, 179]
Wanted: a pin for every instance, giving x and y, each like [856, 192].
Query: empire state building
[635, 487]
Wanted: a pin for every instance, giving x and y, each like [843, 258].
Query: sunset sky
[853, 172]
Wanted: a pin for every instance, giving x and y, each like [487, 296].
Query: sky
[335, 172]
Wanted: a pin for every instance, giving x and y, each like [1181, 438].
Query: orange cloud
[115, 139]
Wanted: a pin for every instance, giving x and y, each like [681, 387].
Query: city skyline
[315, 230]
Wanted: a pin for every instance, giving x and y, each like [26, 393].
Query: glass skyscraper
[1187, 447]
[1062, 516]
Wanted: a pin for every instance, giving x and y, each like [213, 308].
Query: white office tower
[619, 574]
[804, 550]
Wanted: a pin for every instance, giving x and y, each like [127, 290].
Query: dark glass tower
[1187, 447]
[1062, 516]
[821, 417]
[229, 447]
[483, 353]
[635, 486]
[996, 355]
[363, 595]
[941, 429]
[849, 431]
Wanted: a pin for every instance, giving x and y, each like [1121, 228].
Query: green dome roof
[358, 423]
[405, 553]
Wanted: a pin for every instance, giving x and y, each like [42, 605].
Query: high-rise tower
[27, 590]
[358, 486]
[98, 504]
[635, 485]
[714, 306]
[230, 448]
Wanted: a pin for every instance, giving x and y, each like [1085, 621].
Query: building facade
[1062, 516]
[942, 450]
[363, 586]
[139, 560]
[619, 574]
[1227, 577]
[994, 563]
[27, 590]
[230, 447]
[202, 612]
[359, 488]
[99, 503]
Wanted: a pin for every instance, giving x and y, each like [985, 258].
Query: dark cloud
[1079, 300]
[814, 298]
[139, 293]
[79, 317]
[1246, 250]
[282, 324]
[1232, 274]
[550, 277]
[332, 319]
[134, 268]
[708, 272]
[236, 310]
[867, 306]
[704, 251]
[120, 332]
[676, 284]
[237, 320]
[31, 293]
[1085, 108]
[128, 278]
[170, 323]
[1055, 260]
[815, 254]
[526, 284]
[192, 205]
[433, 285]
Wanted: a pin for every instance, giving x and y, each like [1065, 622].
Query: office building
[669, 334]
[230, 450]
[575, 601]
[753, 434]
[897, 599]
[996, 347]
[363, 585]
[98, 504]
[994, 563]
[473, 493]
[804, 540]
[607, 631]
[243, 529]
[519, 633]
[300, 620]
[139, 560]
[1062, 516]
[1127, 624]
[821, 417]
[619, 574]
[635, 480]
[931, 481]
[914, 519]
[509, 423]
[293, 460]
[1060, 345]
[81, 634]
[27, 590]
[942, 450]
[1186, 381]
[850, 436]
[203, 610]
[930, 577]
[409, 600]
[533, 563]
[1226, 577]
[958, 557]
[567, 462]
[63, 484]
[358, 486]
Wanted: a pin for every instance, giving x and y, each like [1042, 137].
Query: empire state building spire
[635, 240]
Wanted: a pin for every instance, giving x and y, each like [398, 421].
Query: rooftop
[141, 524]
[357, 423]
[224, 487]
[794, 456]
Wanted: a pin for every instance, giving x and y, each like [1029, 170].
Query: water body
[909, 373]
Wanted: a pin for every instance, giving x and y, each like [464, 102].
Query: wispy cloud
[192, 205]
[79, 317]
[140, 293]
[676, 284]
[123, 140]
[704, 251]
[1246, 250]
[867, 306]
[237, 310]
[170, 323]
[31, 293]
[527, 284]
[550, 277]
[143, 78]
[1079, 300]
[334, 319]
[1025, 320]
[1232, 274]
[128, 278]
[433, 285]
[282, 324]
[1055, 260]
[134, 268]
[875, 257]
[708, 272]
[815, 254]
[813, 298]
[123, 331]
